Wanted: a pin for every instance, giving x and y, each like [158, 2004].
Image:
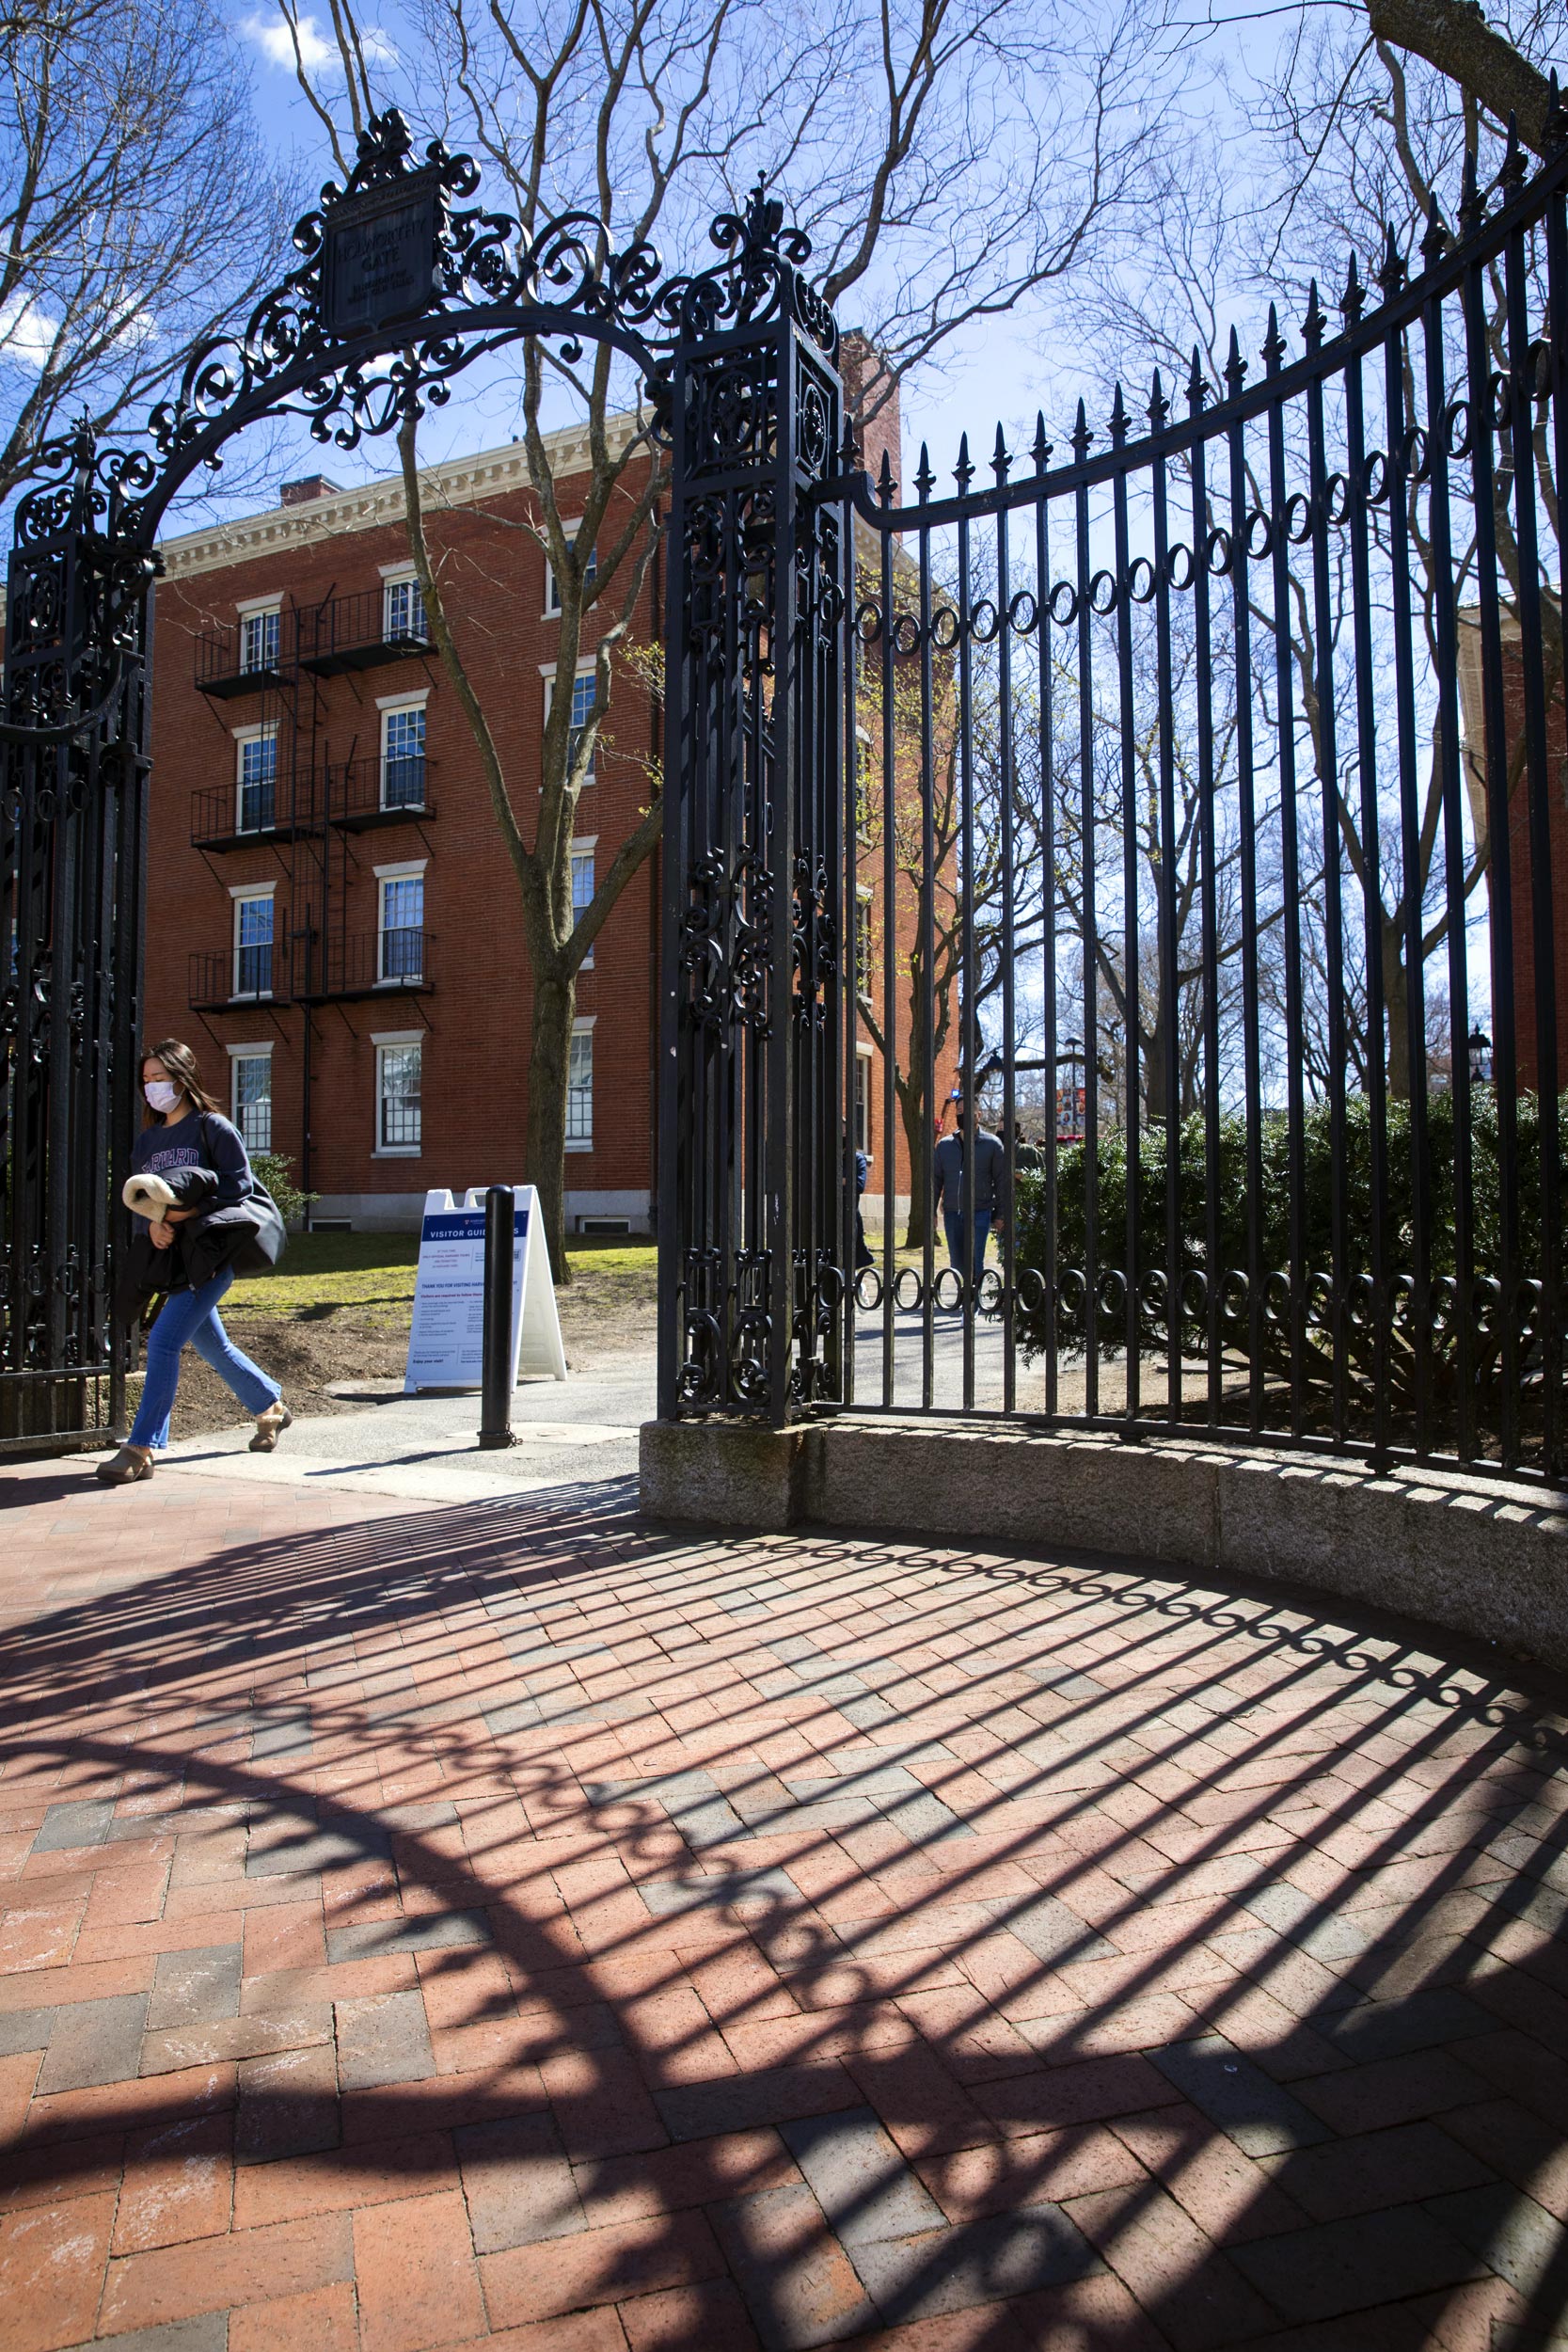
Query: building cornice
[370, 505]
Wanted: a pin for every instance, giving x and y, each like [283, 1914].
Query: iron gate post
[750, 1214]
[72, 848]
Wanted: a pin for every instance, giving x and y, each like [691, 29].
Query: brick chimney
[308, 487]
[864, 372]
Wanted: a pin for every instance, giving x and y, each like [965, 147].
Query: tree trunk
[1396, 997]
[549, 1054]
[1454, 36]
[917, 1140]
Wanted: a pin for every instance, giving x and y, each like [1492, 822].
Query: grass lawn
[372, 1274]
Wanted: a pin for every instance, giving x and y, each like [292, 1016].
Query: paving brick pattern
[512, 1924]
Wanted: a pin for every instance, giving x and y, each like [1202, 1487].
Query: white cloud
[25, 335]
[317, 55]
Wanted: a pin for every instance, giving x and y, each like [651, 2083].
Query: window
[260, 633]
[398, 1117]
[250, 1095]
[862, 1101]
[582, 703]
[404, 615]
[862, 783]
[579, 1090]
[403, 927]
[258, 780]
[402, 759]
[253, 945]
[582, 889]
[552, 588]
[862, 941]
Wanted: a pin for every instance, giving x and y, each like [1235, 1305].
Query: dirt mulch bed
[603, 1316]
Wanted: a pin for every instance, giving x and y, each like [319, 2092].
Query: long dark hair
[180, 1065]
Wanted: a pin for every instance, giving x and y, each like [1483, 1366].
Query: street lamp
[1480, 1047]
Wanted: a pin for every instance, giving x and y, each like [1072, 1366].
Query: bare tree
[138, 214]
[1353, 153]
[908, 132]
[968, 876]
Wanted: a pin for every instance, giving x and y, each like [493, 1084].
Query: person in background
[970, 1210]
[863, 1250]
[185, 1129]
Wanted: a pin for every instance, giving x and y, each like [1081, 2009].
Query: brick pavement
[506, 1923]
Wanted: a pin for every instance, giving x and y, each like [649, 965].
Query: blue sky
[1003, 370]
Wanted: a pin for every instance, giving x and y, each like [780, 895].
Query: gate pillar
[751, 1091]
[72, 851]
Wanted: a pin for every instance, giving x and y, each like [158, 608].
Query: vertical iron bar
[1372, 875]
[1295, 1105]
[1168, 1023]
[1415, 852]
[969, 1031]
[1247, 815]
[1444, 646]
[1089, 934]
[1007, 1240]
[1522, 396]
[1505, 1063]
[1198, 393]
[1131, 1009]
[926, 1172]
[1042, 453]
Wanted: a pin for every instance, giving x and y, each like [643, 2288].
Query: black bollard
[495, 1409]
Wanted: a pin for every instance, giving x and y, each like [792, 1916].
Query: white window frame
[586, 668]
[249, 894]
[582, 1027]
[258, 732]
[258, 1051]
[399, 576]
[408, 869]
[583, 845]
[553, 593]
[865, 1139]
[865, 900]
[397, 1040]
[258, 608]
[388, 706]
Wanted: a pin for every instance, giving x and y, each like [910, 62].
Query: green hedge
[1227, 1181]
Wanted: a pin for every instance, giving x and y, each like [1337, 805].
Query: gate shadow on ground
[1170, 1958]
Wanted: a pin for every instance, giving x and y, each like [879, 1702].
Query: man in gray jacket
[983, 1202]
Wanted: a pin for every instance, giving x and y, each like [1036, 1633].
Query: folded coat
[202, 1245]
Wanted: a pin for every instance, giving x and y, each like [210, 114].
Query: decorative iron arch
[400, 285]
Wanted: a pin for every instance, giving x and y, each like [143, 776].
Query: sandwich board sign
[446, 1346]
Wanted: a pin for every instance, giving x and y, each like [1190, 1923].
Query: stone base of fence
[1482, 1558]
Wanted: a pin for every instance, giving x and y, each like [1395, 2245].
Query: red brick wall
[1523, 890]
[477, 1018]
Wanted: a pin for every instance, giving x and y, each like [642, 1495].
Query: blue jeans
[955, 1224]
[190, 1318]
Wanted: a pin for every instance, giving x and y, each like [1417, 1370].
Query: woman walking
[185, 1129]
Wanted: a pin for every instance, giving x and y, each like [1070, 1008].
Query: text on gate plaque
[380, 262]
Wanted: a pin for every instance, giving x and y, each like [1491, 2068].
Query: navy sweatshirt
[198, 1140]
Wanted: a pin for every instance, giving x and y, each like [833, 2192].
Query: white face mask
[162, 1095]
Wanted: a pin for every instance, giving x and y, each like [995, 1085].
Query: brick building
[1524, 887]
[332, 921]
[332, 914]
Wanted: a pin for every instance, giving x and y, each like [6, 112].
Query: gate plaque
[381, 257]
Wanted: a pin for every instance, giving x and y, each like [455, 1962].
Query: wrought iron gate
[352, 344]
[1206, 766]
[1196, 798]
